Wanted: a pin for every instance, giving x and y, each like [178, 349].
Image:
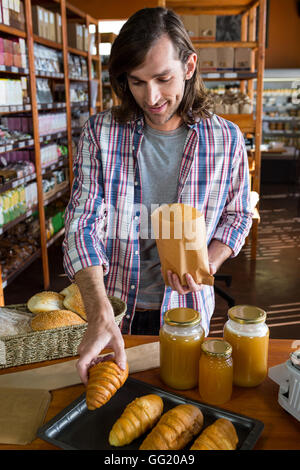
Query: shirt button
[136, 252]
[136, 217]
[132, 286]
[128, 317]
[136, 183]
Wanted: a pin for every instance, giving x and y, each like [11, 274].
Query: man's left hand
[192, 286]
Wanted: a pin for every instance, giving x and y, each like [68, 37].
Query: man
[161, 145]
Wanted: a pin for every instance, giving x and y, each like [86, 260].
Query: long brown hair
[128, 52]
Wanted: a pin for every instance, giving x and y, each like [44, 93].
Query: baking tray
[77, 428]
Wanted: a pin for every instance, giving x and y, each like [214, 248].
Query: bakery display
[221, 435]
[45, 301]
[73, 300]
[105, 378]
[55, 319]
[139, 416]
[175, 429]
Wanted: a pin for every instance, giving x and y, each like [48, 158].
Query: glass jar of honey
[215, 371]
[248, 335]
[180, 340]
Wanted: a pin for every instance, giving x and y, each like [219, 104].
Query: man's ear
[191, 66]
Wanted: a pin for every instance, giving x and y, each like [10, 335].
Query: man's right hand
[102, 331]
[96, 338]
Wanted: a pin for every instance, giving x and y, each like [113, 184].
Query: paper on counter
[64, 374]
[22, 412]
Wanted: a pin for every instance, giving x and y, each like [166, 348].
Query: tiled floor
[271, 282]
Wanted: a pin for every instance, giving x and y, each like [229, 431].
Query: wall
[283, 49]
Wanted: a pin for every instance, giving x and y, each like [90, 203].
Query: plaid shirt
[107, 194]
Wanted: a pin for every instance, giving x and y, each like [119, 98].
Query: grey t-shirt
[159, 161]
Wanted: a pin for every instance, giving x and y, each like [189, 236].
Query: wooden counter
[281, 431]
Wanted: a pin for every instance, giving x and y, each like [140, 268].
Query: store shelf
[13, 70]
[13, 31]
[71, 50]
[246, 122]
[47, 42]
[218, 44]
[228, 76]
[16, 146]
[18, 108]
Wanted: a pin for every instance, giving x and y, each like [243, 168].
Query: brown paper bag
[180, 235]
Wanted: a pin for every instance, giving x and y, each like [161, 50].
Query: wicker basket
[37, 346]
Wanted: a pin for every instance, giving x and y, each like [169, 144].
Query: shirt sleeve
[83, 245]
[236, 219]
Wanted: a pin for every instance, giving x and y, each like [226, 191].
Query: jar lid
[182, 317]
[247, 314]
[216, 347]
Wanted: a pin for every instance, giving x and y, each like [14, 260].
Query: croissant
[105, 378]
[175, 429]
[221, 435]
[139, 416]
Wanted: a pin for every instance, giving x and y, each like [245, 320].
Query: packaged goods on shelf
[225, 59]
[78, 36]
[58, 28]
[208, 59]
[18, 244]
[51, 123]
[78, 67]
[79, 93]
[44, 23]
[49, 154]
[201, 27]
[47, 60]
[12, 204]
[12, 14]
[242, 58]
[13, 52]
[15, 165]
[10, 92]
[43, 91]
[232, 101]
[12, 135]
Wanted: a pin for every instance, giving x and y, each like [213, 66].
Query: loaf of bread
[105, 378]
[46, 301]
[55, 319]
[221, 435]
[73, 301]
[175, 428]
[139, 416]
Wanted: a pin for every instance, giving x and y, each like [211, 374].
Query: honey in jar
[180, 340]
[215, 371]
[248, 335]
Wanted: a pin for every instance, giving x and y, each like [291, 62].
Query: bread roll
[46, 301]
[55, 319]
[105, 379]
[175, 428]
[221, 435]
[73, 300]
[139, 415]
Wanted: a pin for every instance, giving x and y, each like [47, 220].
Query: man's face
[158, 84]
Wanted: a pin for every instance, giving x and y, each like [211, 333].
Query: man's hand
[102, 331]
[98, 337]
[192, 286]
[218, 252]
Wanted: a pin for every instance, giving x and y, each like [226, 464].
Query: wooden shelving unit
[69, 14]
[108, 38]
[250, 11]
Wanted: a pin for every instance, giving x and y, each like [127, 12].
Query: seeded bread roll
[46, 301]
[73, 300]
[55, 319]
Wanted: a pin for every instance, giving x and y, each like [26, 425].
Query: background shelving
[49, 91]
